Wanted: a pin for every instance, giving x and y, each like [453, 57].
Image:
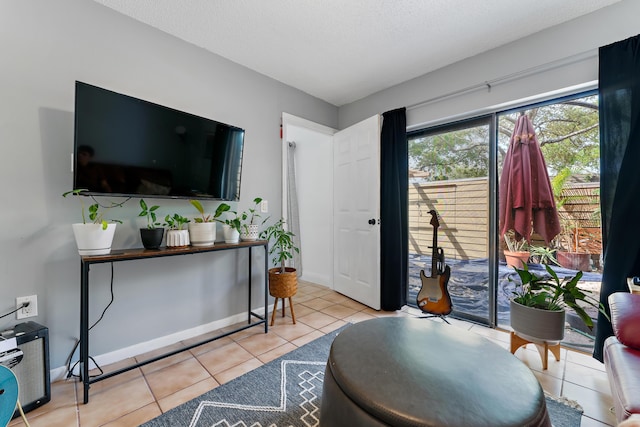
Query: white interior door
[356, 207]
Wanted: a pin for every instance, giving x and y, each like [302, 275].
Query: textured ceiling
[343, 50]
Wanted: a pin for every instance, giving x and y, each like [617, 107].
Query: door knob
[372, 221]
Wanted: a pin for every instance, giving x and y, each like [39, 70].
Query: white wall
[580, 36]
[46, 46]
[314, 182]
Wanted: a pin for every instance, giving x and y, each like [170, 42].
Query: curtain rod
[548, 66]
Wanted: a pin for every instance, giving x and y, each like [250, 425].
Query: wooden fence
[463, 206]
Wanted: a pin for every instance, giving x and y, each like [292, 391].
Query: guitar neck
[434, 253]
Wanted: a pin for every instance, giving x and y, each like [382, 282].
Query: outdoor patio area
[469, 283]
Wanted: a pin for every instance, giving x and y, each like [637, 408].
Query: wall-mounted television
[126, 146]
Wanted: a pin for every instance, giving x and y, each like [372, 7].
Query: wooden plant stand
[281, 286]
[275, 306]
[543, 348]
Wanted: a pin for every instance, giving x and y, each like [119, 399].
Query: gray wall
[555, 45]
[46, 46]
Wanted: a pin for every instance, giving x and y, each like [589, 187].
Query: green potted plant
[283, 281]
[177, 234]
[539, 304]
[202, 230]
[94, 235]
[570, 242]
[152, 234]
[232, 226]
[543, 255]
[248, 227]
[517, 252]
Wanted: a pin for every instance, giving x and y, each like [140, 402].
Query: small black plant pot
[151, 237]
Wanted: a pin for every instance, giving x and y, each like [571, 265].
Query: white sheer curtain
[293, 220]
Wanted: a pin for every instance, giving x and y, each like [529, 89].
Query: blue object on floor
[8, 395]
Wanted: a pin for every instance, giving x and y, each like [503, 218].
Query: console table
[137, 254]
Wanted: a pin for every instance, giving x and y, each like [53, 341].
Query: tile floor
[139, 395]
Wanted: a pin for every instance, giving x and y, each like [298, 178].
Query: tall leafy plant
[282, 243]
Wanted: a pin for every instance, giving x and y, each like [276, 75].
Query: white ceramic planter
[537, 325]
[249, 233]
[177, 238]
[92, 239]
[202, 233]
[231, 235]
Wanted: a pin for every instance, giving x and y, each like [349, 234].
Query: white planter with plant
[231, 227]
[249, 230]
[539, 304]
[94, 235]
[238, 225]
[202, 233]
[177, 234]
[93, 239]
[202, 230]
[231, 234]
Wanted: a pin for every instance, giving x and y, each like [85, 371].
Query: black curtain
[619, 91]
[394, 187]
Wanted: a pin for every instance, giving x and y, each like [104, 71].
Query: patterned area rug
[287, 392]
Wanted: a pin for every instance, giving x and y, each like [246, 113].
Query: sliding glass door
[454, 170]
[568, 136]
[449, 179]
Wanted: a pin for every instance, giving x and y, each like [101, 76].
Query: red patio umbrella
[526, 197]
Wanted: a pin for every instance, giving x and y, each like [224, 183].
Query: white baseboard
[317, 279]
[156, 343]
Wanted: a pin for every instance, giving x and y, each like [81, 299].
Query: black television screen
[131, 147]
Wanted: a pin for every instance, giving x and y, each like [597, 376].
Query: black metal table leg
[266, 287]
[84, 330]
[249, 303]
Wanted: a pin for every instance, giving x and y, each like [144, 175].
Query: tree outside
[567, 132]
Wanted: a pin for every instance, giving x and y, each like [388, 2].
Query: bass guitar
[434, 297]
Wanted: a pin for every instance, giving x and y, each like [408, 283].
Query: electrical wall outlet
[29, 311]
[264, 206]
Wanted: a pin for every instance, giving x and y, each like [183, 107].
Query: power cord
[24, 304]
[75, 347]
[24, 418]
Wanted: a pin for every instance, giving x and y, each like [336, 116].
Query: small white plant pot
[202, 233]
[92, 239]
[231, 235]
[249, 233]
[177, 238]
